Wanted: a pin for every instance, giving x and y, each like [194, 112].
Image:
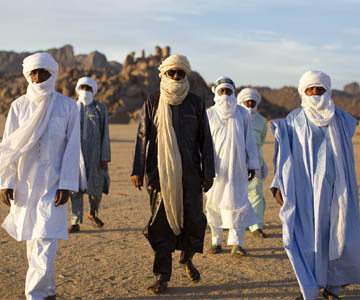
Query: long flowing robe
[227, 203]
[192, 131]
[95, 145]
[305, 174]
[41, 171]
[255, 186]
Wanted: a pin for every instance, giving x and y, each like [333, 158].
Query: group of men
[184, 150]
[53, 148]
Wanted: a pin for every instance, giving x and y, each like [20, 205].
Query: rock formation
[123, 88]
[352, 88]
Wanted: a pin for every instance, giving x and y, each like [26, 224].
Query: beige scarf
[169, 160]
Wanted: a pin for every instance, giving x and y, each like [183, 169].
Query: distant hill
[12, 61]
[123, 87]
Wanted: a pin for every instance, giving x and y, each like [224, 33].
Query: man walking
[40, 147]
[95, 147]
[236, 160]
[174, 149]
[315, 182]
[250, 99]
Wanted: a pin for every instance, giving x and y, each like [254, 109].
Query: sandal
[96, 221]
[190, 271]
[259, 233]
[238, 252]
[158, 286]
[330, 296]
[215, 249]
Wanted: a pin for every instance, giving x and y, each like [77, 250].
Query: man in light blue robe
[250, 99]
[315, 182]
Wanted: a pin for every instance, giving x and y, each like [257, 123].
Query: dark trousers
[164, 243]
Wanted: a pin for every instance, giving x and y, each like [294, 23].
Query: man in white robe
[40, 147]
[236, 160]
[315, 183]
[250, 99]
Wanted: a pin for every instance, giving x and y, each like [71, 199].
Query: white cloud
[332, 47]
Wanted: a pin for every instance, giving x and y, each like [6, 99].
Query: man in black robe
[175, 150]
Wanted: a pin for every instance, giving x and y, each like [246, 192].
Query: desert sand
[116, 262]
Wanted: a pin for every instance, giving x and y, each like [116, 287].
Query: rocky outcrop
[123, 88]
[12, 61]
[95, 61]
[352, 88]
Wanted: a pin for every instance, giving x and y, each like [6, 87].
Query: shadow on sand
[108, 230]
[234, 290]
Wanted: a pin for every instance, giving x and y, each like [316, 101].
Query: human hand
[7, 195]
[206, 183]
[103, 164]
[278, 197]
[62, 196]
[135, 180]
[251, 174]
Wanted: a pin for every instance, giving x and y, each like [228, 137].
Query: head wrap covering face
[223, 82]
[175, 61]
[319, 109]
[86, 97]
[37, 92]
[172, 92]
[225, 105]
[87, 81]
[314, 78]
[249, 94]
[41, 60]
[42, 95]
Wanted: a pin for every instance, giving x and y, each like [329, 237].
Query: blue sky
[259, 42]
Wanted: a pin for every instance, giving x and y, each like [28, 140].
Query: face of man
[250, 103]
[85, 87]
[315, 91]
[175, 74]
[39, 75]
[224, 91]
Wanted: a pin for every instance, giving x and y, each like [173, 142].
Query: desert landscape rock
[123, 87]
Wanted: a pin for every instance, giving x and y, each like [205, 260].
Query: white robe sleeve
[7, 177]
[251, 151]
[69, 175]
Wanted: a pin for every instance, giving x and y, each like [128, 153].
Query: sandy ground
[116, 262]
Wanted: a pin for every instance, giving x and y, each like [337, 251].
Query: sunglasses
[180, 73]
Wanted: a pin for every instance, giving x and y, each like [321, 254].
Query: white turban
[314, 78]
[225, 104]
[249, 94]
[40, 60]
[87, 81]
[42, 94]
[175, 61]
[223, 82]
[320, 109]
